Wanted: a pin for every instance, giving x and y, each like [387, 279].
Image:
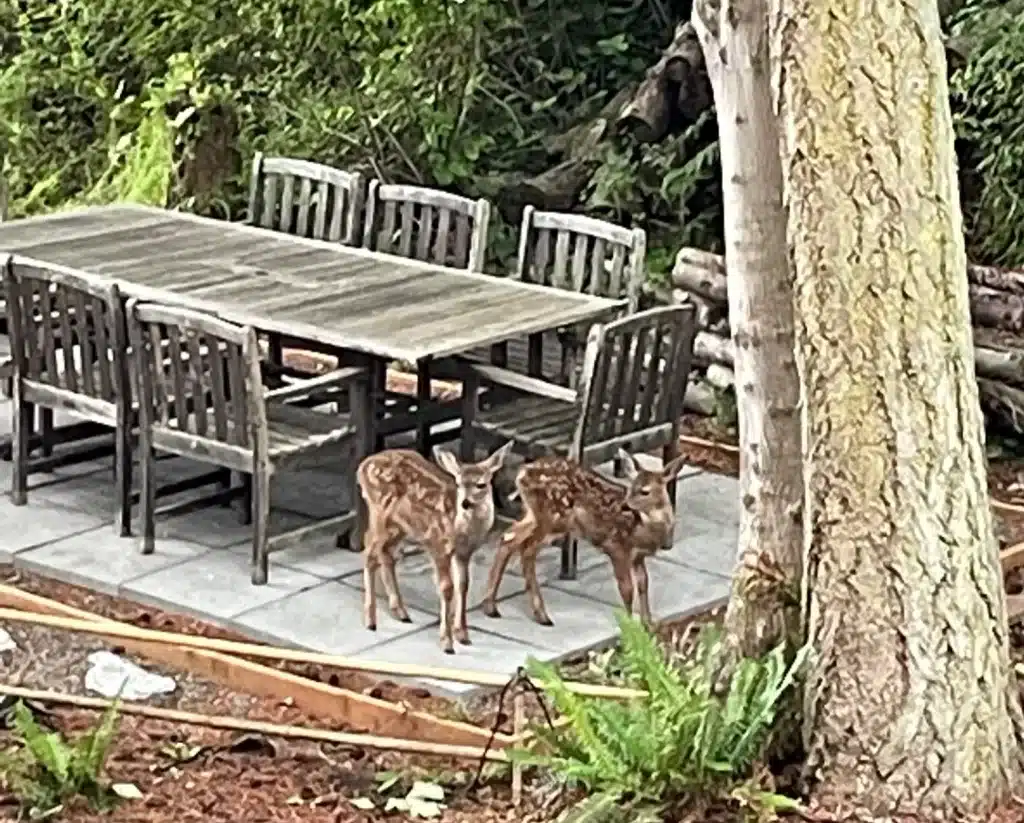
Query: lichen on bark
[909, 704]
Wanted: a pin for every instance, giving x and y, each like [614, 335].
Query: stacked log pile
[997, 314]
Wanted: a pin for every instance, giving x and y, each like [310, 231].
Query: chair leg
[275, 351]
[669, 453]
[147, 497]
[422, 407]
[569, 559]
[123, 478]
[618, 467]
[224, 484]
[23, 414]
[46, 431]
[261, 524]
[245, 515]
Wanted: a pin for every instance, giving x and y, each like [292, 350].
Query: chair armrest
[521, 382]
[303, 388]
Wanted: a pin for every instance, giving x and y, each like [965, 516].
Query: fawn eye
[481, 486]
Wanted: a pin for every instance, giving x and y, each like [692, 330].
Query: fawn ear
[672, 469]
[497, 460]
[628, 463]
[447, 461]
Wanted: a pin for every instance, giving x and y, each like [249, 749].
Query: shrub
[165, 101]
[44, 771]
[682, 742]
[989, 122]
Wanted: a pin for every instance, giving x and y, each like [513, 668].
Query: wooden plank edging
[320, 699]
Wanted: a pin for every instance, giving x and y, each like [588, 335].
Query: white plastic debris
[109, 674]
[7, 643]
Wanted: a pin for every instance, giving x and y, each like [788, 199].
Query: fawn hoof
[401, 615]
[464, 639]
[544, 620]
[448, 650]
[491, 610]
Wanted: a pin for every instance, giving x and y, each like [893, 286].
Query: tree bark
[764, 607]
[910, 697]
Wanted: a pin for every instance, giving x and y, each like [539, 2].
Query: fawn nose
[467, 504]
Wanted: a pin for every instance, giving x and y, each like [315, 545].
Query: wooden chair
[630, 395]
[243, 428]
[435, 227]
[327, 205]
[309, 200]
[580, 254]
[427, 224]
[68, 351]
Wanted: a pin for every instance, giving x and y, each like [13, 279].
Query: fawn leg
[511, 542]
[392, 537]
[446, 591]
[623, 571]
[460, 569]
[374, 538]
[639, 575]
[371, 562]
[528, 559]
[387, 574]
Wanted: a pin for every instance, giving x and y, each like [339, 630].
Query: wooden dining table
[344, 298]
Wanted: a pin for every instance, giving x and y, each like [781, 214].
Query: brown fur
[562, 498]
[449, 510]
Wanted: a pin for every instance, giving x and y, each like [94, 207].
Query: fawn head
[647, 493]
[473, 495]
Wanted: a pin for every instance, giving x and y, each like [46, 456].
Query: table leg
[364, 406]
[423, 401]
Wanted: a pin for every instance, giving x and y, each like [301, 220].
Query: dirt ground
[188, 773]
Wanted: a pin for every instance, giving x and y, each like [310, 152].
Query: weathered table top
[336, 295]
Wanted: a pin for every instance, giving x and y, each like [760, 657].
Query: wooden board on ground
[319, 699]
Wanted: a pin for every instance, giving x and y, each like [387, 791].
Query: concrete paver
[314, 597]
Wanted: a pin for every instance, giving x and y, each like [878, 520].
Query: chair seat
[294, 430]
[538, 425]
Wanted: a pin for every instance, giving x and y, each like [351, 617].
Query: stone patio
[313, 599]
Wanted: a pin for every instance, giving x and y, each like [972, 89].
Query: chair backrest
[306, 199]
[581, 254]
[427, 224]
[634, 379]
[198, 380]
[68, 339]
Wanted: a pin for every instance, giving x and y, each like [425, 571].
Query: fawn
[562, 498]
[448, 510]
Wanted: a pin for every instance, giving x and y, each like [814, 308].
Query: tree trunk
[909, 701]
[764, 608]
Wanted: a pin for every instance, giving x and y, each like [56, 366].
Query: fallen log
[719, 376]
[557, 189]
[711, 348]
[674, 90]
[996, 309]
[1008, 280]
[1005, 403]
[700, 398]
[1006, 366]
[702, 273]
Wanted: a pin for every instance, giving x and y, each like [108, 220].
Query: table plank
[339, 296]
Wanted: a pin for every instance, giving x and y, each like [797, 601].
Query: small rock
[109, 674]
[7, 643]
